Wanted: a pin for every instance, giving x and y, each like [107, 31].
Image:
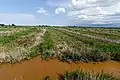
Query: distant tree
[13, 25]
[2, 24]
[39, 25]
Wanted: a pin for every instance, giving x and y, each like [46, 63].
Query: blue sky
[60, 12]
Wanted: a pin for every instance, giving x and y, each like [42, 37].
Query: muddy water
[36, 69]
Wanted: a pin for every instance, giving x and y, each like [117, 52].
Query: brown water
[36, 69]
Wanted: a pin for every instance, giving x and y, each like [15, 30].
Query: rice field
[66, 44]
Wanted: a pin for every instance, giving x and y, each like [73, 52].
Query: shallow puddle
[36, 69]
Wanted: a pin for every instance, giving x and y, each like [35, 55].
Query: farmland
[20, 44]
[62, 45]
[76, 46]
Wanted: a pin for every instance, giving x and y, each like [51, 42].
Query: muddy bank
[36, 69]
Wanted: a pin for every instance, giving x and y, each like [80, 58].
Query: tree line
[8, 25]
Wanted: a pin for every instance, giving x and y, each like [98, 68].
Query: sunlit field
[78, 49]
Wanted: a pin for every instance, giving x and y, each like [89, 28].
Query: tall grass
[98, 49]
[47, 46]
[83, 48]
[24, 47]
[80, 75]
[35, 51]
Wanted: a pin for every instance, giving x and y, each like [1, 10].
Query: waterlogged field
[81, 50]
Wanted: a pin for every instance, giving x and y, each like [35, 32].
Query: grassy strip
[8, 39]
[5, 29]
[99, 51]
[101, 45]
[47, 46]
[110, 36]
[80, 75]
[35, 51]
[101, 30]
[67, 55]
[26, 49]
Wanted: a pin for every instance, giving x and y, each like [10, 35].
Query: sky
[60, 12]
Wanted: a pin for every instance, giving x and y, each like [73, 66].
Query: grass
[112, 34]
[67, 45]
[35, 51]
[97, 33]
[105, 46]
[76, 44]
[80, 75]
[5, 29]
[24, 47]
[47, 45]
[84, 48]
[7, 39]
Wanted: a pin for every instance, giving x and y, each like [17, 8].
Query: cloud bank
[95, 11]
[69, 12]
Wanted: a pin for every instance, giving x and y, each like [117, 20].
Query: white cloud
[82, 16]
[42, 11]
[58, 3]
[78, 12]
[96, 11]
[17, 18]
[60, 10]
[88, 11]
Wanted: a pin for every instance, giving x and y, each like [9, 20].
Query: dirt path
[36, 69]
